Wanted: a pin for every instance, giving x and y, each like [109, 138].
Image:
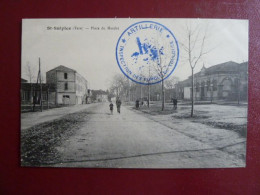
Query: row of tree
[128, 90]
[193, 46]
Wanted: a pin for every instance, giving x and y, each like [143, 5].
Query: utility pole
[47, 97]
[238, 86]
[40, 83]
[149, 91]
[141, 91]
[128, 90]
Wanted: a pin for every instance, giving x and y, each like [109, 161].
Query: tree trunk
[141, 92]
[163, 99]
[31, 96]
[128, 90]
[148, 102]
[192, 93]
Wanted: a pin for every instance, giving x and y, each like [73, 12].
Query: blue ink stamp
[147, 52]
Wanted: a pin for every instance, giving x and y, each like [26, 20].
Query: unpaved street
[135, 140]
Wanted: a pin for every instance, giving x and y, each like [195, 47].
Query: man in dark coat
[118, 105]
[137, 104]
[175, 101]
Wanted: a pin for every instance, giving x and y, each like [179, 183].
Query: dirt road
[134, 140]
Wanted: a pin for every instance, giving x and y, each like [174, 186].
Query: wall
[81, 89]
[70, 100]
[51, 76]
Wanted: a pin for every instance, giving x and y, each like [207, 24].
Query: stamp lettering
[147, 52]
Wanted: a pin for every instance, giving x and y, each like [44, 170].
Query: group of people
[142, 103]
[137, 104]
[118, 105]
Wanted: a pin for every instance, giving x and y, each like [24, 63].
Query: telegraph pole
[40, 83]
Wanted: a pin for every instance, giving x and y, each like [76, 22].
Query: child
[111, 107]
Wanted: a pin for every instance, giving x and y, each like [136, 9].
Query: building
[32, 93]
[226, 81]
[99, 96]
[71, 87]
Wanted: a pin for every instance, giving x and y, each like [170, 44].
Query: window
[44, 97]
[227, 84]
[197, 87]
[236, 83]
[65, 75]
[215, 87]
[208, 85]
[203, 84]
[66, 86]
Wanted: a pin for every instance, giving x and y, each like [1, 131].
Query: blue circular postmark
[147, 52]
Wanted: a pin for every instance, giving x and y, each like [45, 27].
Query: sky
[82, 44]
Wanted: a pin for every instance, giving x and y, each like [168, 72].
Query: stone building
[226, 81]
[71, 87]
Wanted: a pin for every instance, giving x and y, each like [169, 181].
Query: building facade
[34, 94]
[226, 81]
[99, 96]
[71, 87]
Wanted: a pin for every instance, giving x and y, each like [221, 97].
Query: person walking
[118, 105]
[111, 106]
[175, 102]
[137, 104]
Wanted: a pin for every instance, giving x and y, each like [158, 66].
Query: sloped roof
[63, 68]
[226, 67]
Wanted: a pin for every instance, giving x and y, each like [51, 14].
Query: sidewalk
[30, 119]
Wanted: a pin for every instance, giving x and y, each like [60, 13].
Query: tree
[120, 86]
[161, 67]
[171, 82]
[149, 88]
[29, 71]
[194, 45]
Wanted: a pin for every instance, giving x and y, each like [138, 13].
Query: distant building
[71, 87]
[102, 97]
[226, 81]
[99, 96]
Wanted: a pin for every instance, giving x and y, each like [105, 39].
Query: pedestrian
[118, 105]
[175, 102]
[137, 104]
[111, 105]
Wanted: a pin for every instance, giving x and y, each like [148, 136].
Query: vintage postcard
[134, 93]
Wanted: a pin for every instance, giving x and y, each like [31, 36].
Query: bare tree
[31, 77]
[120, 86]
[171, 82]
[30, 72]
[149, 88]
[161, 67]
[194, 46]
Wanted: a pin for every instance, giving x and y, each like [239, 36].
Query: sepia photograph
[134, 93]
